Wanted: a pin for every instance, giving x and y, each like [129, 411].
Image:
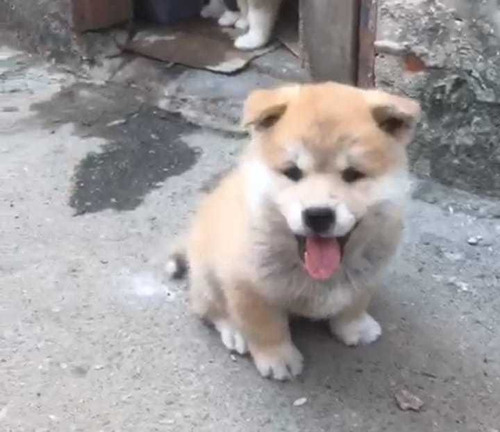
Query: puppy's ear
[397, 116]
[264, 108]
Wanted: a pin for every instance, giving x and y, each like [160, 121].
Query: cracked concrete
[447, 55]
[93, 338]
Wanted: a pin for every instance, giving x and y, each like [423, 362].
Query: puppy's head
[323, 154]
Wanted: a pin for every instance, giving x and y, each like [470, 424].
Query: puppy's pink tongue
[322, 257]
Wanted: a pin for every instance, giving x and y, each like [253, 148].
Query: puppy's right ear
[263, 108]
[395, 115]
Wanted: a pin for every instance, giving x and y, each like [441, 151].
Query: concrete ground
[96, 180]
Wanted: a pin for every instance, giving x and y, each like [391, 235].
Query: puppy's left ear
[264, 108]
[395, 115]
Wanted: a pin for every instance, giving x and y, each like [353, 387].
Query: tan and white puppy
[305, 224]
[257, 17]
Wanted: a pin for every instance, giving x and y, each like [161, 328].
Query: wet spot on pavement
[144, 145]
[146, 151]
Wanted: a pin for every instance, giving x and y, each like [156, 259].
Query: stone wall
[447, 55]
[42, 26]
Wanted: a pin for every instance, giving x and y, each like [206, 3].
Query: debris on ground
[299, 402]
[473, 241]
[117, 122]
[408, 401]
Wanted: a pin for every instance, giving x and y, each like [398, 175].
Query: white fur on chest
[300, 295]
[323, 305]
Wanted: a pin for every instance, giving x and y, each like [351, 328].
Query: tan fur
[242, 253]
[264, 325]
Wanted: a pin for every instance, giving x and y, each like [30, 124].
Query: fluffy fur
[256, 17]
[246, 274]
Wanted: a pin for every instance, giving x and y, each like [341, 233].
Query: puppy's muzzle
[319, 219]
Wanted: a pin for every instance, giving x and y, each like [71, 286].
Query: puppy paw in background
[221, 10]
[256, 17]
[213, 9]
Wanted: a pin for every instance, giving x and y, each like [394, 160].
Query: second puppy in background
[258, 17]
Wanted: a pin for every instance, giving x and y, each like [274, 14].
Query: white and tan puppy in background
[257, 17]
[306, 222]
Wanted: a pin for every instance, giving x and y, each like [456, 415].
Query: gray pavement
[95, 180]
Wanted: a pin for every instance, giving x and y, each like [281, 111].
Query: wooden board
[329, 38]
[199, 43]
[99, 14]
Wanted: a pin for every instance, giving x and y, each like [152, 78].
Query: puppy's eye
[293, 172]
[351, 175]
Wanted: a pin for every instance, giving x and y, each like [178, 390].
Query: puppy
[256, 16]
[226, 11]
[306, 222]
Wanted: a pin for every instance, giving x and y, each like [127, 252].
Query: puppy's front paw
[212, 10]
[282, 363]
[206, 12]
[232, 339]
[363, 330]
[250, 41]
[242, 23]
[228, 19]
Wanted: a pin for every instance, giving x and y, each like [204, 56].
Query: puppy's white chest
[320, 303]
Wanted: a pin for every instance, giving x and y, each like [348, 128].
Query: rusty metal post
[367, 36]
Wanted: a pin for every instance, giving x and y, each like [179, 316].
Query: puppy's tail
[177, 265]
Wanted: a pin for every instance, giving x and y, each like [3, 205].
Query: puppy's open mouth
[321, 256]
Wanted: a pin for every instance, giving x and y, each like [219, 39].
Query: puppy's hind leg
[354, 326]
[208, 302]
[267, 332]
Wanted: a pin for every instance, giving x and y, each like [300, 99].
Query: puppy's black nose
[318, 219]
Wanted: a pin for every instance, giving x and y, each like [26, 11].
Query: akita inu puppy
[306, 222]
